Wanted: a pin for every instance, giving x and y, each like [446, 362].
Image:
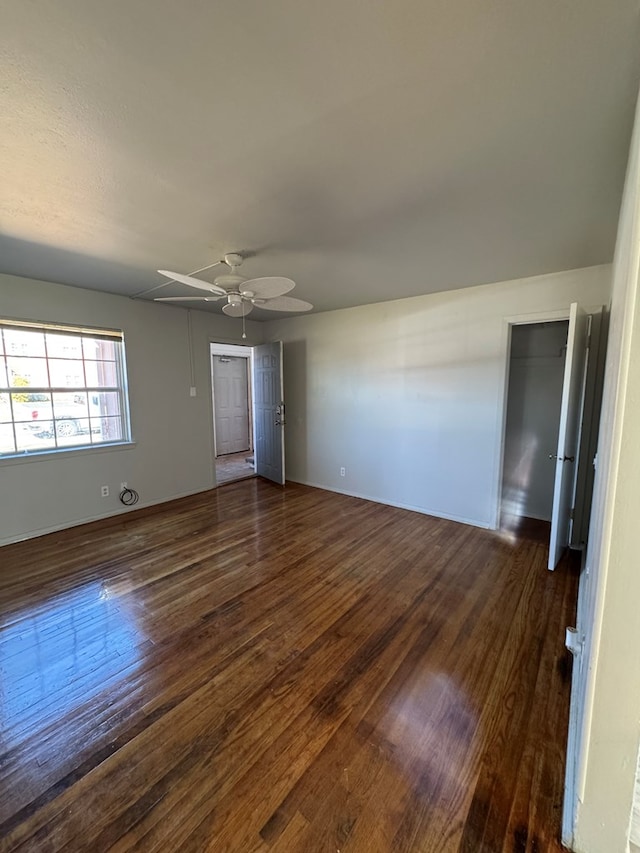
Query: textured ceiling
[369, 150]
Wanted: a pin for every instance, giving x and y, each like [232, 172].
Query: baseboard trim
[410, 507]
[125, 513]
[108, 519]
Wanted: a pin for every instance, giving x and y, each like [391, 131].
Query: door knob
[563, 458]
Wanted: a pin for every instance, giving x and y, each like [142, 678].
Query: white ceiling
[369, 150]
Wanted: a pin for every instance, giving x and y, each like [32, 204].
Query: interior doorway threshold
[234, 466]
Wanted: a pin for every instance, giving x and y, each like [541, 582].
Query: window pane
[4, 381]
[63, 346]
[107, 429]
[7, 444]
[104, 403]
[37, 437]
[102, 374]
[99, 350]
[66, 373]
[1, 341]
[40, 429]
[5, 409]
[71, 431]
[24, 343]
[31, 407]
[72, 406]
[25, 372]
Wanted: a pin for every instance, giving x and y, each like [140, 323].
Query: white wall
[407, 395]
[610, 733]
[536, 375]
[172, 453]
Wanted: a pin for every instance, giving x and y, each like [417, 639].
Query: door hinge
[572, 513]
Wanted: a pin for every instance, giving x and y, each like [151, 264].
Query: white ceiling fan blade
[193, 282]
[284, 303]
[267, 287]
[237, 309]
[187, 298]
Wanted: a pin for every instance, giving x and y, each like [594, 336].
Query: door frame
[236, 351]
[505, 351]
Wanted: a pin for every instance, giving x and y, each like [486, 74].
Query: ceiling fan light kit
[241, 294]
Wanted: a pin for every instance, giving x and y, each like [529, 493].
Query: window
[61, 388]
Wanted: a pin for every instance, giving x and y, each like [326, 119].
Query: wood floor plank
[259, 669]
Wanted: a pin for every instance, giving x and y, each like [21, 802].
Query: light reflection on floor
[509, 527]
[514, 528]
[56, 658]
[431, 728]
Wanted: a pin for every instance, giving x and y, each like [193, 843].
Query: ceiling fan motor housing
[230, 281]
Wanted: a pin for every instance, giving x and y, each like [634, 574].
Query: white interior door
[268, 407]
[568, 434]
[231, 404]
[576, 638]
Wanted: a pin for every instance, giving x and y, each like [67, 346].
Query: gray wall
[408, 396]
[172, 454]
[536, 374]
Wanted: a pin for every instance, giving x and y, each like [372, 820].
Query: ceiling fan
[241, 294]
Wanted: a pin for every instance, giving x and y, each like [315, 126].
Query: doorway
[232, 412]
[573, 431]
[536, 373]
[248, 392]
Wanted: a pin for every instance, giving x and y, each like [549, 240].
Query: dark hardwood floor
[258, 669]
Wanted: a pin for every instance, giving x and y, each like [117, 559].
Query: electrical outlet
[123, 486]
[104, 491]
[342, 472]
[193, 391]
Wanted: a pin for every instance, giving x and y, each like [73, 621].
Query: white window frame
[120, 388]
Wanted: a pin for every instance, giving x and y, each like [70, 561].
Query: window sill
[35, 455]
